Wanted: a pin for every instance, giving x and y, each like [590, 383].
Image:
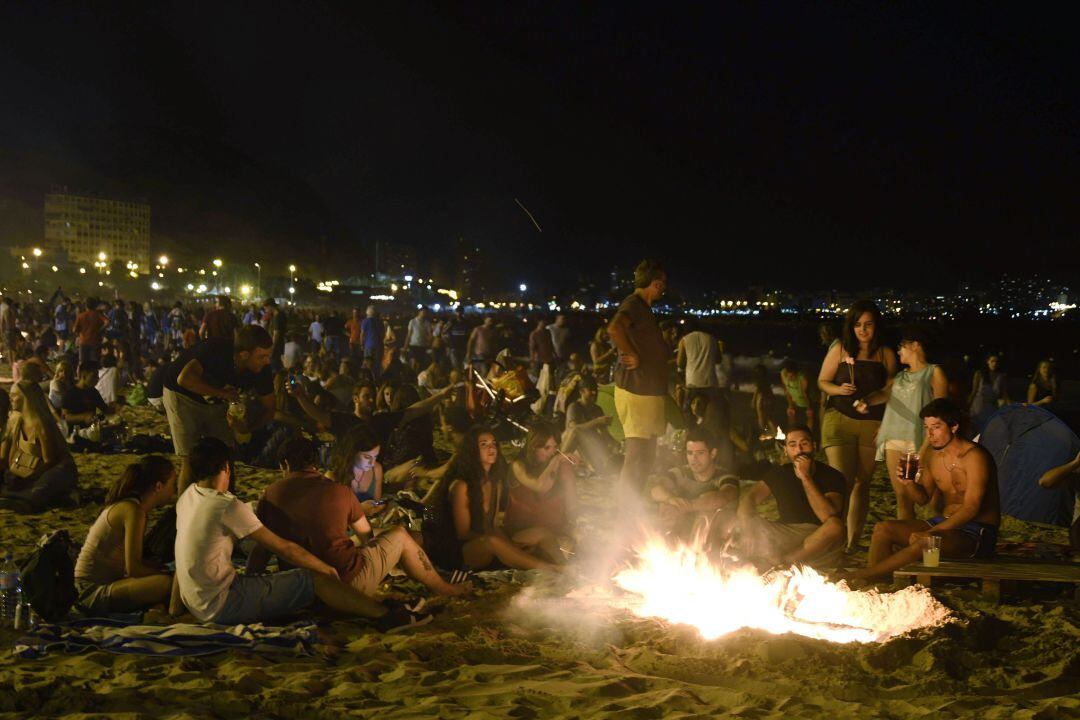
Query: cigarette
[568, 458]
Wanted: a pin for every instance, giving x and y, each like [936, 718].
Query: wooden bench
[992, 573]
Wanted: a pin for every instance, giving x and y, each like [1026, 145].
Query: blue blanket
[164, 640]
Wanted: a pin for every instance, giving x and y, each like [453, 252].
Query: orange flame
[683, 586]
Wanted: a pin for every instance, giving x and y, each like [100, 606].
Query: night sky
[844, 146]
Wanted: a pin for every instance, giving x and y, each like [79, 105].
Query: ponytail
[139, 477]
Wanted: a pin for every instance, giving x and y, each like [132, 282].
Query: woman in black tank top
[853, 368]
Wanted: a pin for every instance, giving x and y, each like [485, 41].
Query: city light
[227, 290]
[245, 290]
[55, 269]
[523, 287]
[37, 252]
[82, 271]
[26, 266]
[408, 278]
[292, 268]
[155, 286]
[163, 260]
[217, 262]
[292, 290]
[201, 288]
[102, 256]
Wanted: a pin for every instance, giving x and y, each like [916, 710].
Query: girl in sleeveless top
[853, 368]
[1043, 388]
[110, 575]
[543, 496]
[904, 396]
[465, 529]
[355, 463]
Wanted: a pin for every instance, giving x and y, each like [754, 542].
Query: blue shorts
[985, 535]
[257, 598]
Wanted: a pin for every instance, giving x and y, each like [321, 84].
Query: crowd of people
[444, 446]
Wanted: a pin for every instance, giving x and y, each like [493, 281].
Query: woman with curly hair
[465, 528]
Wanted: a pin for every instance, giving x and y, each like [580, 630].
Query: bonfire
[683, 585]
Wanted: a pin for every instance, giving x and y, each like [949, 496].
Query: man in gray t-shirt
[586, 428]
[696, 492]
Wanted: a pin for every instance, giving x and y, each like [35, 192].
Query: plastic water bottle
[10, 590]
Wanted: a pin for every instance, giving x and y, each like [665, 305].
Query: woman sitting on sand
[36, 469]
[543, 496]
[355, 463]
[110, 575]
[464, 529]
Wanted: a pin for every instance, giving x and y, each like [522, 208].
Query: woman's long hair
[538, 436]
[139, 477]
[984, 369]
[1036, 377]
[357, 440]
[471, 471]
[849, 341]
[35, 414]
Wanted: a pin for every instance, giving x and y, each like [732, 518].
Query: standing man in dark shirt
[641, 376]
[809, 496]
[334, 329]
[219, 322]
[201, 382]
[458, 336]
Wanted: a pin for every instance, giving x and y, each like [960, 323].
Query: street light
[292, 268]
[523, 287]
[37, 252]
[163, 260]
[258, 281]
[102, 256]
[245, 290]
[217, 262]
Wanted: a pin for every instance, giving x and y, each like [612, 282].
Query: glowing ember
[683, 586]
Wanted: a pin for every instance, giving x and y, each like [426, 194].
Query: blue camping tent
[1027, 441]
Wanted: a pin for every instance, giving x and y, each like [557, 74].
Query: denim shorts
[257, 598]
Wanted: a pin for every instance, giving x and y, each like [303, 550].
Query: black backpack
[48, 577]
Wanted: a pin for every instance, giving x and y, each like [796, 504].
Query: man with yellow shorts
[641, 374]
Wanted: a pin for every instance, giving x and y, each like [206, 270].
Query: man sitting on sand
[809, 496]
[965, 476]
[314, 511]
[587, 429]
[209, 521]
[203, 379]
[696, 492]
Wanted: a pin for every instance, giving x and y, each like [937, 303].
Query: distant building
[470, 268]
[394, 260]
[82, 227]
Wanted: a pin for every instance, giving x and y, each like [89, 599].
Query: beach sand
[522, 649]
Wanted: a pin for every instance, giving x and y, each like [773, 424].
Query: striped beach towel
[164, 640]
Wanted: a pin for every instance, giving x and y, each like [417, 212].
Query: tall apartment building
[82, 227]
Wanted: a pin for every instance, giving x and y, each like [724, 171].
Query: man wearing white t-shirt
[209, 521]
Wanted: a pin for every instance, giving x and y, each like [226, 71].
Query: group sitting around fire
[385, 494]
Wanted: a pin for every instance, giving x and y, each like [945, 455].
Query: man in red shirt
[89, 327]
[219, 322]
[310, 509]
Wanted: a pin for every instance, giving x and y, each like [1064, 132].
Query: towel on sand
[164, 640]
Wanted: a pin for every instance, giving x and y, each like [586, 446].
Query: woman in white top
[110, 574]
[904, 395]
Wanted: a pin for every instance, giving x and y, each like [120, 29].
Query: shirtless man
[961, 473]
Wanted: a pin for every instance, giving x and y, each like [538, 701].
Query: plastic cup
[931, 551]
[909, 465]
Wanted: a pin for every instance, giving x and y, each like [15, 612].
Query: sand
[522, 649]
